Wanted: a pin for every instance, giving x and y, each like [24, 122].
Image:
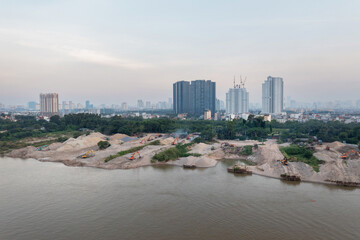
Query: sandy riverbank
[266, 158]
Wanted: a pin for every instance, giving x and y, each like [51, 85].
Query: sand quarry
[266, 158]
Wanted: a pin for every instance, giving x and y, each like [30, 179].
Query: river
[52, 201]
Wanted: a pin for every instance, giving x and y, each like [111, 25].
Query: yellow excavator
[88, 154]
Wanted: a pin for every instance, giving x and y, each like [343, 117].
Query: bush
[247, 150]
[181, 150]
[103, 145]
[76, 134]
[62, 139]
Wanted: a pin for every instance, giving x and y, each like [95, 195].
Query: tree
[103, 145]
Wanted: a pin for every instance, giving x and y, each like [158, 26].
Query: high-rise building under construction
[49, 104]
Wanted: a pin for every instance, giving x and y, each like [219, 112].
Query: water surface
[52, 201]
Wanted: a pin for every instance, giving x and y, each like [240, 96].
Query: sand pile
[81, 142]
[336, 145]
[167, 141]
[201, 148]
[202, 161]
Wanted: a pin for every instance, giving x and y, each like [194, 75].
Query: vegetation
[103, 145]
[131, 150]
[247, 150]
[295, 153]
[254, 128]
[180, 150]
[327, 132]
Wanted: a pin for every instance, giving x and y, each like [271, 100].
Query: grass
[180, 150]
[295, 153]
[131, 150]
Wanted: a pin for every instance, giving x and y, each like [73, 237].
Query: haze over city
[115, 51]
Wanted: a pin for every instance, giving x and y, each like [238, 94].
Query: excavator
[175, 141]
[143, 141]
[284, 161]
[226, 144]
[43, 148]
[90, 153]
[189, 136]
[346, 155]
[134, 154]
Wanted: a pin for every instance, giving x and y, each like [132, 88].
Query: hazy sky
[115, 51]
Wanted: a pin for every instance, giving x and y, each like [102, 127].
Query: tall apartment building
[237, 100]
[181, 97]
[194, 97]
[49, 104]
[273, 95]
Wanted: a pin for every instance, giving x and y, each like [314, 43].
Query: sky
[115, 51]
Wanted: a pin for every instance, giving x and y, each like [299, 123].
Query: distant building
[124, 106]
[49, 104]
[217, 105]
[32, 105]
[148, 105]
[207, 115]
[88, 106]
[140, 104]
[194, 97]
[237, 100]
[273, 95]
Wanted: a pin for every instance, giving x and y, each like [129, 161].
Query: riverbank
[265, 158]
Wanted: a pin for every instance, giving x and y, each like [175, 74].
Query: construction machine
[175, 141]
[284, 161]
[88, 154]
[327, 148]
[143, 141]
[226, 144]
[43, 148]
[134, 155]
[189, 136]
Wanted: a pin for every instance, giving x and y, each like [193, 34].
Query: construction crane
[88, 154]
[43, 148]
[134, 154]
[175, 140]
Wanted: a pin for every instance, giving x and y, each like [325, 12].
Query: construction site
[340, 162]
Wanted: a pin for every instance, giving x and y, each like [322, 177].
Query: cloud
[77, 48]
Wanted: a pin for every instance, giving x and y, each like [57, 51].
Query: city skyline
[313, 45]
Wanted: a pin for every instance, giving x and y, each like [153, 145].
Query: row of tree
[253, 128]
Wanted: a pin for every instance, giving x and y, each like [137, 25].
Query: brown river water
[51, 201]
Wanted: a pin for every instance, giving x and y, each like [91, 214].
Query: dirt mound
[118, 136]
[336, 145]
[201, 148]
[81, 142]
[167, 141]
